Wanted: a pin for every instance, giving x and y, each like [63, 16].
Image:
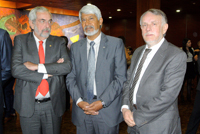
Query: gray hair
[33, 13]
[90, 9]
[156, 12]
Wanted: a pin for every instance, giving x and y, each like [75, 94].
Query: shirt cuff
[125, 106]
[79, 100]
[42, 69]
[45, 76]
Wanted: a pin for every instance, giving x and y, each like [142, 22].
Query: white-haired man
[154, 80]
[97, 77]
[39, 62]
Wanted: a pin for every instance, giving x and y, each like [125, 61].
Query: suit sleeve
[173, 79]
[114, 89]
[19, 70]
[6, 52]
[71, 78]
[60, 68]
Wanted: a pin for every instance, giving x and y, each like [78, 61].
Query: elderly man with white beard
[96, 80]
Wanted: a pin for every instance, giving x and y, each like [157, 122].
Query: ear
[165, 27]
[100, 21]
[31, 24]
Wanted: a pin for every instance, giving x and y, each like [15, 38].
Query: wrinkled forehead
[43, 15]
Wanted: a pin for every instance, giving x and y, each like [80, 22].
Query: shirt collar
[96, 41]
[37, 40]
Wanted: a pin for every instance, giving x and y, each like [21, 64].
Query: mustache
[88, 27]
[46, 29]
[148, 33]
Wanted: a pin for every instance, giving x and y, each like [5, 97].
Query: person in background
[39, 63]
[97, 77]
[5, 64]
[190, 72]
[155, 77]
[128, 58]
[130, 53]
[196, 53]
[67, 92]
[194, 120]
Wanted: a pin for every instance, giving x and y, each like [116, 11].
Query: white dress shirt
[150, 56]
[96, 49]
[41, 67]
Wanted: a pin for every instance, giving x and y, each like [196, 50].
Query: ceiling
[109, 7]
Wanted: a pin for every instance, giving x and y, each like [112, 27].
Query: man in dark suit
[194, 121]
[97, 77]
[39, 62]
[154, 80]
[6, 51]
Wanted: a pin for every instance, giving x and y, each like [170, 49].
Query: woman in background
[190, 72]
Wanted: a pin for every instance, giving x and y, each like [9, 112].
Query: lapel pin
[49, 45]
[104, 47]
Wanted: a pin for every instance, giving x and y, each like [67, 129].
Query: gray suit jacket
[25, 49]
[110, 77]
[157, 110]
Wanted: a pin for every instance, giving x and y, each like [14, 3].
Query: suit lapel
[102, 50]
[83, 54]
[135, 64]
[48, 49]
[32, 48]
[154, 62]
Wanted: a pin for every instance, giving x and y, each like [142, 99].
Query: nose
[48, 25]
[148, 27]
[86, 22]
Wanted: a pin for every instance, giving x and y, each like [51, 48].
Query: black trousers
[194, 121]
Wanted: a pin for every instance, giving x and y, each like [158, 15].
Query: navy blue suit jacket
[5, 64]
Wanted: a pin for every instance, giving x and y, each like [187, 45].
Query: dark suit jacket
[25, 49]
[198, 61]
[110, 76]
[5, 64]
[157, 110]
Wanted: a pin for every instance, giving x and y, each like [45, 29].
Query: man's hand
[31, 66]
[128, 117]
[94, 108]
[83, 105]
[61, 60]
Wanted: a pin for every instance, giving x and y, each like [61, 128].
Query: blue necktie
[91, 72]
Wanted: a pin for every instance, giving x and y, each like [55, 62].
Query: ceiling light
[178, 11]
[118, 10]
[89, 4]
[130, 12]
[110, 17]
[194, 3]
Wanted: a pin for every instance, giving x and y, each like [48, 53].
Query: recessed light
[89, 4]
[178, 11]
[130, 12]
[194, 3]
[110, 17]
[118, 10]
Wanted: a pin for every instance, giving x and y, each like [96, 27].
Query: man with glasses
[154, 80]
[39, 63]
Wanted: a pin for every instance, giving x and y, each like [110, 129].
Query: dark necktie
[43, 88]
[91, 72]
[137, 75]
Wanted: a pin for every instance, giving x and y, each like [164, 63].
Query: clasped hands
[91, 109]
[128, 117]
